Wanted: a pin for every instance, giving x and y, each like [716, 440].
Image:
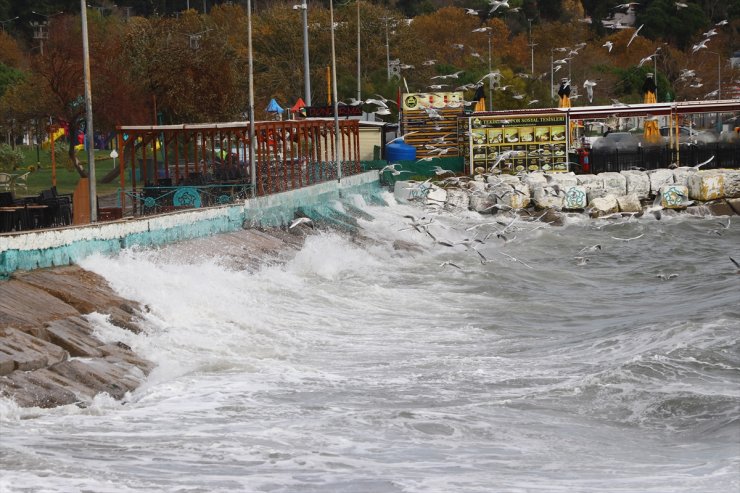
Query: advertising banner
[517, 144]
[328, 111]
[415, 101]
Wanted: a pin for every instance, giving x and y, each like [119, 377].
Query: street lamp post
[531, 45]
[252, 143]
[387, 49]
[306, 66]
[490, 79]
[359, 75]
[335, 100]
[89, 114]
[2, 23]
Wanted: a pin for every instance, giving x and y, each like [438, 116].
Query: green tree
[663, 20]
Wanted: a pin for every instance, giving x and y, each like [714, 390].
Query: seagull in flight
[698, 46]
[471, 11]
[608, 45]
[589, 86]
[634, 35]
[495, 4]
[301, 220]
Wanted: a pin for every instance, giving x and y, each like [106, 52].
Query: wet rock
[575, 199]
[638, 183]
[629, 203]
[591, 182]
[706, 186]
[74, 335]
[681, 175]
[28, 352]
[534, 180]
[674, 197]
[659, 178]
[548, 198]
[735, 204]
[553, 217]
[614, 183]
[457, 199]
[603, 206]
[732, 183]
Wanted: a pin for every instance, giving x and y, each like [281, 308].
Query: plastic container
[399, 151]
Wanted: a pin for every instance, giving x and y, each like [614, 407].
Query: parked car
[620, 141]
[683, 133]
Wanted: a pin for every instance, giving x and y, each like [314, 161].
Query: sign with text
[328, 111]
[518, 143]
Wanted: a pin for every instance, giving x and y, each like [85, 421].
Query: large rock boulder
[681, 175]
[575, 198]
[674, 197]
[548, 198]
[457, 199]
[732, 183]
[707, 185]
[659, 178]
[638, 183]
[603, 206]
[614, 183]
[629, 203]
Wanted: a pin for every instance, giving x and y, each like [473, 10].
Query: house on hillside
[622, 16]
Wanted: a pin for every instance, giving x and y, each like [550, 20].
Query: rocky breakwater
[710, 192]
[49, 353]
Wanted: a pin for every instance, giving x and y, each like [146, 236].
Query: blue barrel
[398, 151]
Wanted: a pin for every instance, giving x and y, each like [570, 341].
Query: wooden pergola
[288, 154]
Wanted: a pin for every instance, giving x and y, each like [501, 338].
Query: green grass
[67, 176]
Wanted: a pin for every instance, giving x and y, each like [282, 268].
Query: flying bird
[589, 86]
[681, 5]
[634, 35]
[608, 45]
[299, 221]
[645, 60]
[471, 11]
[495, 4]
[698, 46]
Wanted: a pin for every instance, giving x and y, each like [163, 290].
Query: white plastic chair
[20, 181]
[6, 181]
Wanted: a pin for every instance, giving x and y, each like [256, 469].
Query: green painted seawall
[64, 246]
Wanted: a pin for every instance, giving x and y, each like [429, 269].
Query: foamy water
[356, 367]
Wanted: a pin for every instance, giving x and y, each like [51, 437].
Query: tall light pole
[252, 143]
[359, 74]
[655, 72]
[531, 45]
[2, 23]
[306, 66]
[387, 49]
[89, 113]
[335, 99]
[490, 79]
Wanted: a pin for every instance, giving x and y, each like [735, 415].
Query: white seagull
[634, 35]
[608, 45]
[589, 86]
[698, 46]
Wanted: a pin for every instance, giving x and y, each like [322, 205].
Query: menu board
[435, 100]
[518, 144]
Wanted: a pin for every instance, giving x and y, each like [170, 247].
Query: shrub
[10, 158]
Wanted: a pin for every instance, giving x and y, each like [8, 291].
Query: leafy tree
[663, 20]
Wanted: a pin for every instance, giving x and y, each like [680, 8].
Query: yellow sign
[415, 101]
[517, 144]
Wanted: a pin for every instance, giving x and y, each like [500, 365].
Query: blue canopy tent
[274, 107]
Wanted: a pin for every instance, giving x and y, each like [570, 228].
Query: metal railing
[656, 157]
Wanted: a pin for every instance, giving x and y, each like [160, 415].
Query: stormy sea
[436, 351]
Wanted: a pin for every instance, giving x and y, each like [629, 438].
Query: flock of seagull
[440, 82]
